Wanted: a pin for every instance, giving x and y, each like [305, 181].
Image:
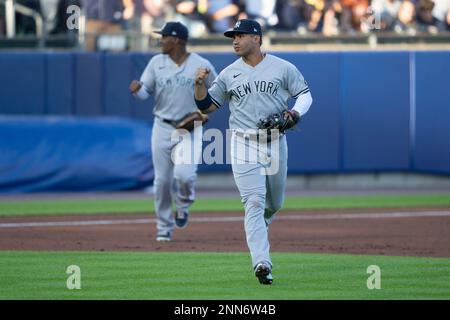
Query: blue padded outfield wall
[73, 154]
[372, 112]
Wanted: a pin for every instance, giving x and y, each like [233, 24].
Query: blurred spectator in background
[314, 14]
[328, 17]
[290, 13]
[188, 12]
[102, 16]
[241, 6]
[406, 17]
[262, 11]
[220, 14]
[424, 16]
[144, 15]
[441, 14]
[387, 12]
[300, 15]
[320, 16]
[353, 12]
[448, 18]
[203, 16]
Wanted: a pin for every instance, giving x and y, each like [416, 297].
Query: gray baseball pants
[261, 185]
[174, 178]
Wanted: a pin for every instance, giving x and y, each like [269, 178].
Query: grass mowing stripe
[89, 206]
[203, 276]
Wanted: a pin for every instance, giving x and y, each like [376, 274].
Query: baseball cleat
[181, 219]
[264, 274]
[164, 237]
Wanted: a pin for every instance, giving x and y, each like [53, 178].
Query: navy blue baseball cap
[244, 26]
[174, 29]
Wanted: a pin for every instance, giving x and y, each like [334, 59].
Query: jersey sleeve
[148, 77]
[296, 83]
[218, 90]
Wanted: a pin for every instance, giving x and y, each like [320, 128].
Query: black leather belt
[256, 136]
[173, 123]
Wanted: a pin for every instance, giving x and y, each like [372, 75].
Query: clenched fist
[202, 74]
[135, 86]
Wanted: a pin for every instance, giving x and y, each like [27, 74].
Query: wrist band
[205, 103]
[142, 93]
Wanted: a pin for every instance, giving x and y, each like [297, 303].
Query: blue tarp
[73, 154]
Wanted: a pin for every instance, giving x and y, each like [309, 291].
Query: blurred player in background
[170, 78]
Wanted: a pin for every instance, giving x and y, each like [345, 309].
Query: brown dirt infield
[400, 236]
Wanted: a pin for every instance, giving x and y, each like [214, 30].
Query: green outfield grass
[160, 276]
[53, 207]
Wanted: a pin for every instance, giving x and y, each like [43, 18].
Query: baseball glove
[189, 120]
[281, 121]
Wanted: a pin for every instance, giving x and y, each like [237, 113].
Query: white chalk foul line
[309, 217]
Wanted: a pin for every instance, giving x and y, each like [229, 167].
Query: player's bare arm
[202, 98]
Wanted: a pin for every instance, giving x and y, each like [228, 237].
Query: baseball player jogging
[258, 86]
[170, 78]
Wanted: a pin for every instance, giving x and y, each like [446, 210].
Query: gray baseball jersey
[173, 89]
[173, 85]
[257, 92]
